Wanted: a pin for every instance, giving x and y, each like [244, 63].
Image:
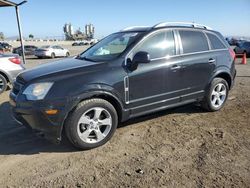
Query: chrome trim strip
[126, 89]
[180, 42]
[162, 101]
[190, 24]
[159, 95]
[135, 27]
[180, 55]
[176, 40]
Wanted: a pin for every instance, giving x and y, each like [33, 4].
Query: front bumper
[32, 115]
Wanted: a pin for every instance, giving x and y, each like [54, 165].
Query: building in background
[70, 34]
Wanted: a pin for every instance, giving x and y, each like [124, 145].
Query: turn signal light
[51, 112]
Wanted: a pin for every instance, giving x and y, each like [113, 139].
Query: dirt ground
[181, 147]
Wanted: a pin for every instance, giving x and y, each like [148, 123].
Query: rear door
[198, 63]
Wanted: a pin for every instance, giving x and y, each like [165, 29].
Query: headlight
[37, 91]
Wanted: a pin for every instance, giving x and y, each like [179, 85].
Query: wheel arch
[108, 96]
[5, 75]
[225, 75]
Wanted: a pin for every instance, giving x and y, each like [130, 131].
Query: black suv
[136, 71]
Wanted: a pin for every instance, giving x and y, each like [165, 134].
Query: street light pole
[20, 29]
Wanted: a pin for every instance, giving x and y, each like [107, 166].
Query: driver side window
[158, 45]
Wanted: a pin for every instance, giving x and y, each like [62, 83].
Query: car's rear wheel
[67, 54]
[91, 124]
[53, 55]
[216, 95]
[3, 84]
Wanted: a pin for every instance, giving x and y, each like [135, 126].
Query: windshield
[110, 47]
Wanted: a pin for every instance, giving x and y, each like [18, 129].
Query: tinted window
[193, 41]
[246, 44]
[215, 42]
[158, 45]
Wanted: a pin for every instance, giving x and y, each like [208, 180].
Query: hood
[56, 68]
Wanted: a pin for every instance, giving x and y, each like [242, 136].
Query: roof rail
[134, 27]
[188, 24]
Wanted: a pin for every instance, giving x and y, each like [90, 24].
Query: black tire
[207, 103]
[53, 55]
[3, 84]
[67, 54]
[71, 124]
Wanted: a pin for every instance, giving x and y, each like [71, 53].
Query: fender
[91, 90]
[97, 90]
[219, 70]
[6, 74]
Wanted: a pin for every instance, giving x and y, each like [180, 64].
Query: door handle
[211, 60]
[175, 67]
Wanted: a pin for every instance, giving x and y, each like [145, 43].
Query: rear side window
[158, 45]
[246, 45]
[193, 41]
[215, 42]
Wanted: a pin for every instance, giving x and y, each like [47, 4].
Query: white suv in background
[10, 67]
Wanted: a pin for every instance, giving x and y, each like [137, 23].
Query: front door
[147, 84]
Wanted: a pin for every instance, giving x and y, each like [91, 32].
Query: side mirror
[140, 57]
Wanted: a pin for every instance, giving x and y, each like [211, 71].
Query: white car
[10, 67]
[52, 52]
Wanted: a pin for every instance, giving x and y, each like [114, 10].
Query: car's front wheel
[216, 95]
[53, 55]
[91, 124]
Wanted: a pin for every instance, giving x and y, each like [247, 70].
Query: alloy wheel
[94, 125]
[218, 95]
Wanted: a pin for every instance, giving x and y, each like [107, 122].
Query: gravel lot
[181, 147]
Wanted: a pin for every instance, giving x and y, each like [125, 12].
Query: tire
[67, 54]
[216, 95]
[53, 55]
[3, 84]
[82, 128]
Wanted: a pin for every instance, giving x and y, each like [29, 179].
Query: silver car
[10, 67]
[51, 51]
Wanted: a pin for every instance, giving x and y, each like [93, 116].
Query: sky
[46, 18]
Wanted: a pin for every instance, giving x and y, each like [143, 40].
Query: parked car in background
[52, 52]
[85, 42]
[134, 72]
[243, 47]
[6, 47]
[10, 67]
[79, 43]
[1, 49]
[28, 50]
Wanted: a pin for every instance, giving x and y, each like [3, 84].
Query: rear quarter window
[247, 45]
[215, 42]
[193, 41]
